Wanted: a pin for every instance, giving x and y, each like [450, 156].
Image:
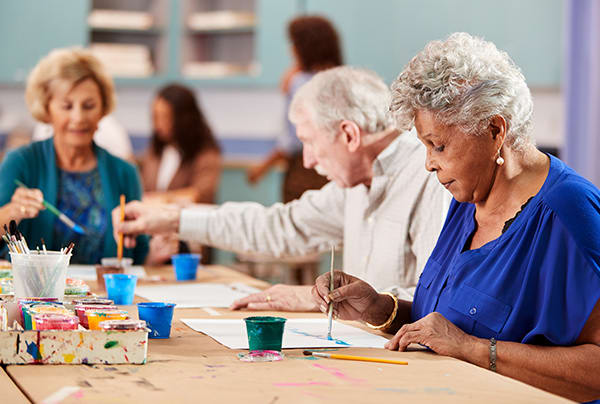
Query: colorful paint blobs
[32, 349]
[111, 344]
[68, 357]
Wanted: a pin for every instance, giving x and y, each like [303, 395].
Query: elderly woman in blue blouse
[70, 90]
[514, 280]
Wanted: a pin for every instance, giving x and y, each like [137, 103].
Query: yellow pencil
[120, 245]
[353, 358]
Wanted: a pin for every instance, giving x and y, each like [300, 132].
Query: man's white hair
[343, 93]
[465, 81]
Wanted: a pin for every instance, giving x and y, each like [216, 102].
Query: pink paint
[302, 384]
[78, 394]
[338, 373]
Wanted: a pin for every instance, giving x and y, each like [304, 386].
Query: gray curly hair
[340, 93]
[465, 81]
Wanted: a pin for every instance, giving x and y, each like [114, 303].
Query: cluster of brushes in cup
[17, 244]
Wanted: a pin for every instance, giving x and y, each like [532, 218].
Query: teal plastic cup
[120, 288]
[265, 333]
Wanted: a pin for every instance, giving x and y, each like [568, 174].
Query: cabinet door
[29, 29]
[383, 35]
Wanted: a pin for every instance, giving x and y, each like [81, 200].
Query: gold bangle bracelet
[392, 316]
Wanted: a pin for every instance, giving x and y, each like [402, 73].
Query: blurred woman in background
[182, 164]
[315, 47]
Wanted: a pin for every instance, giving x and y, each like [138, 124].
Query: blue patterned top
[80, 198]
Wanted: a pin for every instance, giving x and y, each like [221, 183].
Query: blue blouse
[80, 198]
[537, 283]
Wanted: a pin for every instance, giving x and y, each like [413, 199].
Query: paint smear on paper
[68, 357]
[338, 373]
[324, 337]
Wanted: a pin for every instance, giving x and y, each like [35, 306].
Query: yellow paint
[68, 357]
[80, 339]
[41, 350]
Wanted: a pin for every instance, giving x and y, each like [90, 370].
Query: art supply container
[22, 301]
[186, 266]
[5, 273]
[102, 270]
[6, 286]
[92, 301]
[123, 325]
[158, 317]
[120, 287]
[95, 317]
[81, 309]
[265, 333]
[55, 321]
[30, 311]
[41, 275]
[76, 287]
[124, 262]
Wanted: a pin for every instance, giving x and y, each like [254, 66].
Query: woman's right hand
[353, 298]
[26, 203]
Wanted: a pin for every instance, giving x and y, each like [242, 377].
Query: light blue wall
[384, 35]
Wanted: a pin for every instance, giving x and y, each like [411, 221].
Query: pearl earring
[499, 160]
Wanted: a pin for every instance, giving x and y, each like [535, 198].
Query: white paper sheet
[196, 295]
[298, 333]
[88, 272]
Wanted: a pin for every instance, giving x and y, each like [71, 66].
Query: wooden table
[192, 367]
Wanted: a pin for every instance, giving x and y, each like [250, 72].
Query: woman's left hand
[435, 332]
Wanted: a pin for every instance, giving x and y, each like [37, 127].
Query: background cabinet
[378, 34]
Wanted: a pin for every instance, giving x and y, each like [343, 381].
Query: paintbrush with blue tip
[61, 216]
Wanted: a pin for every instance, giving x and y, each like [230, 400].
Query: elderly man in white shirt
[380, 205]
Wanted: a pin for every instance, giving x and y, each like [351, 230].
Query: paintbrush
[353, 358]
[61, 216]
[122, 217]
[330, 311]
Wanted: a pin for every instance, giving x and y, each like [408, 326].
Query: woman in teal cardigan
[70, 90]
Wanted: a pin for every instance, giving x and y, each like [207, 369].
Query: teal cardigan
[35, 165]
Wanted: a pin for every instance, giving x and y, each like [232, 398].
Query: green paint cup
[264, 333]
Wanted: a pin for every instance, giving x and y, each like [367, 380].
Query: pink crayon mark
[338, 373]
[302, 384]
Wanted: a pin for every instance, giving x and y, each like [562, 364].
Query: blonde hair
[72, 65]
[465, 81]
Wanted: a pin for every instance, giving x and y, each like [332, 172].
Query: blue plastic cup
[120, 287]
[158, 317]
[186, 266]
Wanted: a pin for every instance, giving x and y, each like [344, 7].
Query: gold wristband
[392, 316]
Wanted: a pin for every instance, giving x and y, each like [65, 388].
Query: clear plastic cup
[42, 275]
